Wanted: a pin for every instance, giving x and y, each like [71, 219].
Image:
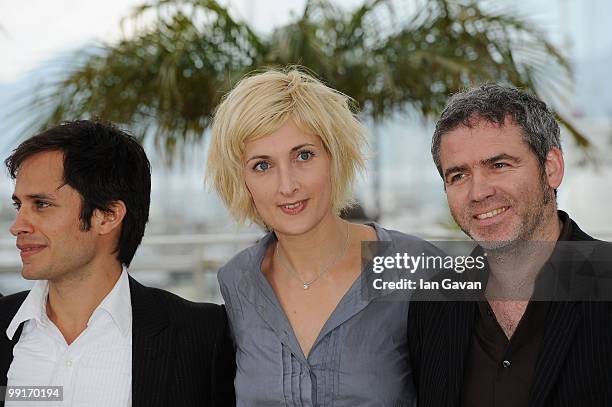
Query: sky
[34, 31]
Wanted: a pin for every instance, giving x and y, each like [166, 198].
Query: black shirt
[499, 371]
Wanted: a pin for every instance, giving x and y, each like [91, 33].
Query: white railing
[185, 264]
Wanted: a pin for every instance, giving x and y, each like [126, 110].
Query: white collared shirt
[94, 370]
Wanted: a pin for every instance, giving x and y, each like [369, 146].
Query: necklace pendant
[306, 286]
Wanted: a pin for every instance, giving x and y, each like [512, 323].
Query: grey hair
[494, 103]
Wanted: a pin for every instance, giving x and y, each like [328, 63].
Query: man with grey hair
[498, 152]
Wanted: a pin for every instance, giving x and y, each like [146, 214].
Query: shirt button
[506, 363]
[68, 363]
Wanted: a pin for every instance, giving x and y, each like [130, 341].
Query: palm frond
[166, 79]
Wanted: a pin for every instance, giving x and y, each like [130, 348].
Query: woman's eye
[305, 155]
[42, 204]
[261, 166]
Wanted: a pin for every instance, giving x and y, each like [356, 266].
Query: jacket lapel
[9, 310]
[563, 319]
[151, 343]
[7, 355]
[444, 352]
[460, 318]
[460, 324]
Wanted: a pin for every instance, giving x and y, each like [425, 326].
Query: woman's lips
[293, 208]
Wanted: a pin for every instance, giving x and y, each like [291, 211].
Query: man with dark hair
[534, 337]
[82, 193]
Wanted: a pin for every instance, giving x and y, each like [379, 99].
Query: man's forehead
[45, 163]
[466, 145]
[40, 173]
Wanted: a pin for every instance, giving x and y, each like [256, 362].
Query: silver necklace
[306, 284]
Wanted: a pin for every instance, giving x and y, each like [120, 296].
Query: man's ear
[107, 221]
[554, 167]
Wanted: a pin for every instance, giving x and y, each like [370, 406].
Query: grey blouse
[360, 357]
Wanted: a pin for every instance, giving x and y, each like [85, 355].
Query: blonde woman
[285, 150]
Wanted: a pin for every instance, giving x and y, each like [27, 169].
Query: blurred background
[158, 69]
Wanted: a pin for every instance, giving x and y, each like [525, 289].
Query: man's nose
[21, 224]
[481, 187]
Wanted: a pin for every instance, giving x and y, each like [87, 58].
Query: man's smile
[491, 213]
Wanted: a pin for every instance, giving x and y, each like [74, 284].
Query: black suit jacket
[182, 354]
[574, 365]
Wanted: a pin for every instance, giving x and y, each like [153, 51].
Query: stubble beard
[529, 223]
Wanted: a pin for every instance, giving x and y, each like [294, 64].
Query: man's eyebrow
[485, 162]
[48, 197]
[456, 168]
[498, 157]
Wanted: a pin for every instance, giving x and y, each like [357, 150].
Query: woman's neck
[308, 253]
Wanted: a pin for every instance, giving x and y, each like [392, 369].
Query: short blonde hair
[259, 105]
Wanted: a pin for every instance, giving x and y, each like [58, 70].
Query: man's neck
[513, 275]
[513, 269]
[550, 230]
[73, 299]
